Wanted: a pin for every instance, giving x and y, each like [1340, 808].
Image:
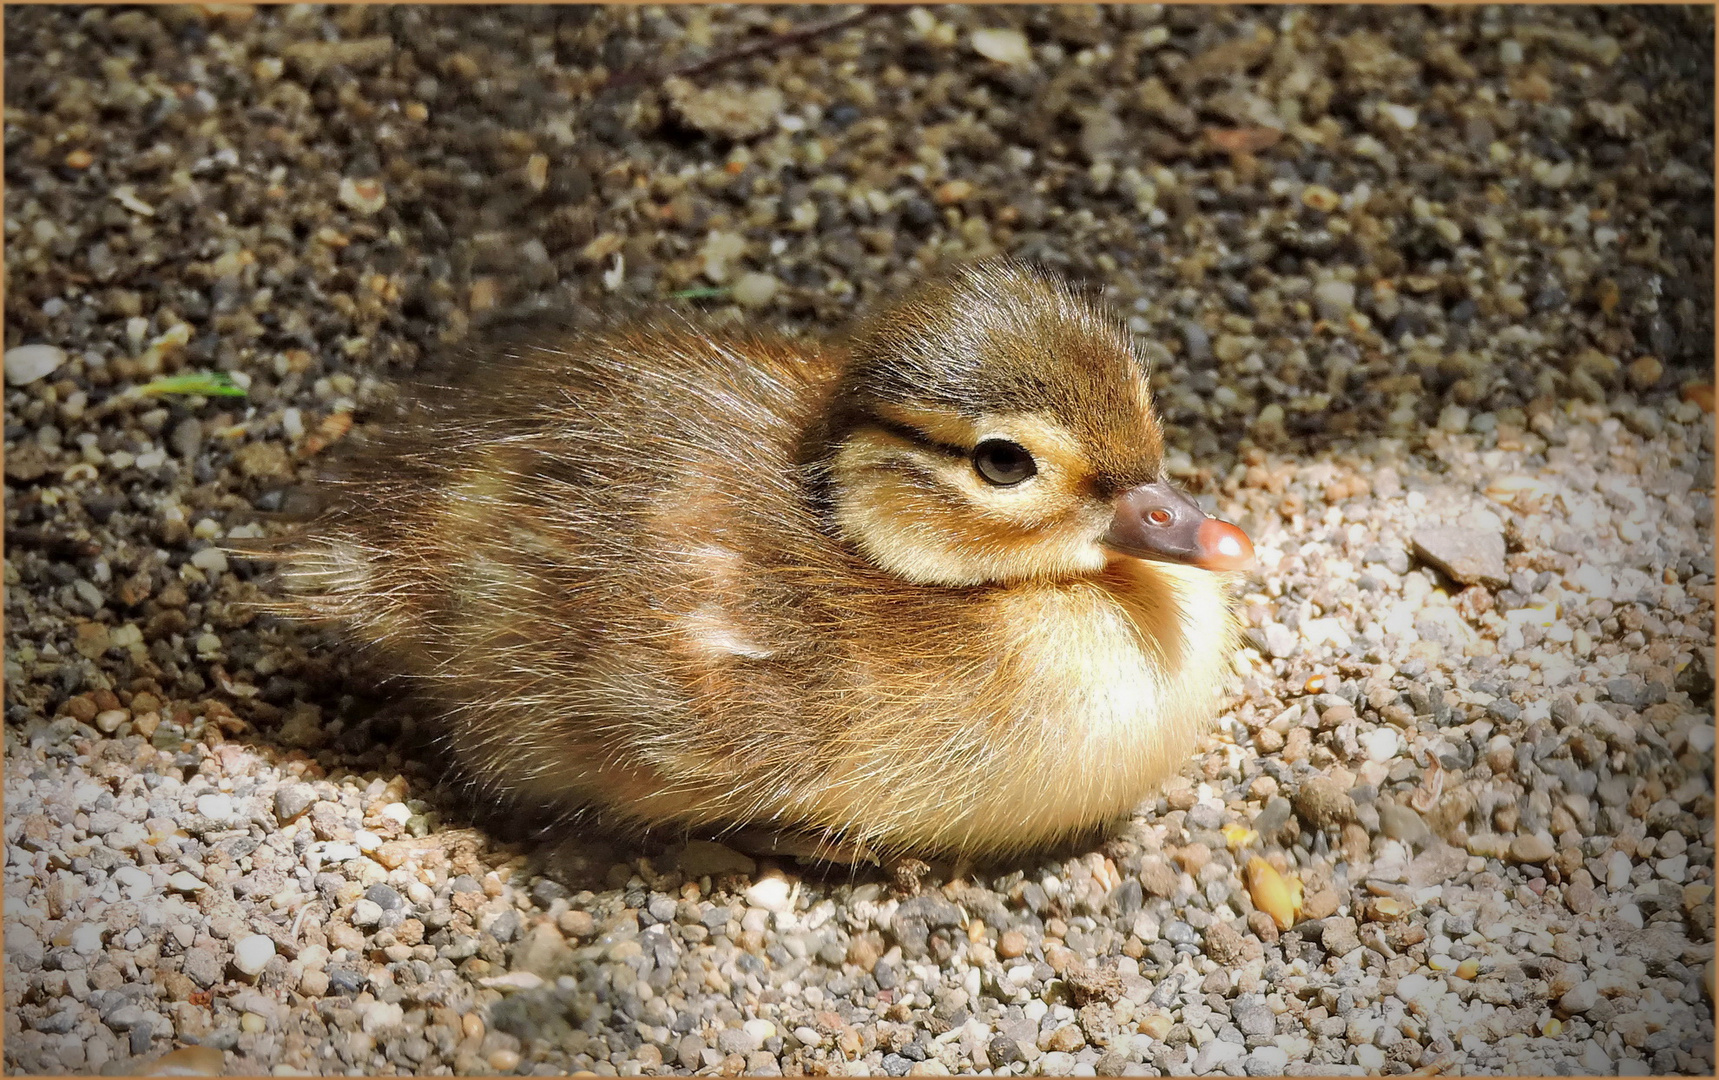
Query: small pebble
[772, 893]
[754, 290]
[1003, 46]
[253, 953]
[26, 364]
[1380, 744]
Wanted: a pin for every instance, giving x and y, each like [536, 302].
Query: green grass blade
[204, 383]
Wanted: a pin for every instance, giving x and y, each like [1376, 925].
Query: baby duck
[928, 591]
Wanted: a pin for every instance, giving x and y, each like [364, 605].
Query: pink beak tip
[1224, 547]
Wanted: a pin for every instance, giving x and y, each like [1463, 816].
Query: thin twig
[768, 45]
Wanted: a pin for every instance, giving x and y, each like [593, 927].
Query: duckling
[925, 590]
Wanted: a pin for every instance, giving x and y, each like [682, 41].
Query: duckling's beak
[1159, 521]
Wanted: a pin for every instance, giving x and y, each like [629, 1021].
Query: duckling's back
[521, 532]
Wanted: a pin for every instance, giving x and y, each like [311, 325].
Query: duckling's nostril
[1160, 517]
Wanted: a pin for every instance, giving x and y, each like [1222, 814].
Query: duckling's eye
[1002, 462]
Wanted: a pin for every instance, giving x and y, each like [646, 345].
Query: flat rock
[1471, 556]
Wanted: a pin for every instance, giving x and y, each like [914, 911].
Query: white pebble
[110, 719]
[217, 807]
[1003, 46]
[760, 1029]
[772, 893]
[382, 1014]
[126, 197]
[135, 881]
[366, 840]
[1401, 115]
[86, 939]
[1618, 867]
[1415, 987]
[365, 196]
[253, 953]
[365, 913]
[186, 882]
[211, 559]
[27, 363]
[1380, 744]
[397, 811]
[1701, 739]
[1335, 298]
[514, 980]
[754, 290]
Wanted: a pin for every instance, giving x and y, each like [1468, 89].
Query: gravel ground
[1430, 295]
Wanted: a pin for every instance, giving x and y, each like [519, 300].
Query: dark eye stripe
[915, 436]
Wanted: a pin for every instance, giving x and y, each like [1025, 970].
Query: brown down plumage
[922, 591]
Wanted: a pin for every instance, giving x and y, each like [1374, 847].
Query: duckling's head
[998, 427]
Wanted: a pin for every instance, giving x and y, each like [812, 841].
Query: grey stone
[1340, 935]
[291, 800]
[1470, 556]
[736, 1041]
[1256, 1020]
[1402, 823]
[203, 965]
[1003, 1050]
